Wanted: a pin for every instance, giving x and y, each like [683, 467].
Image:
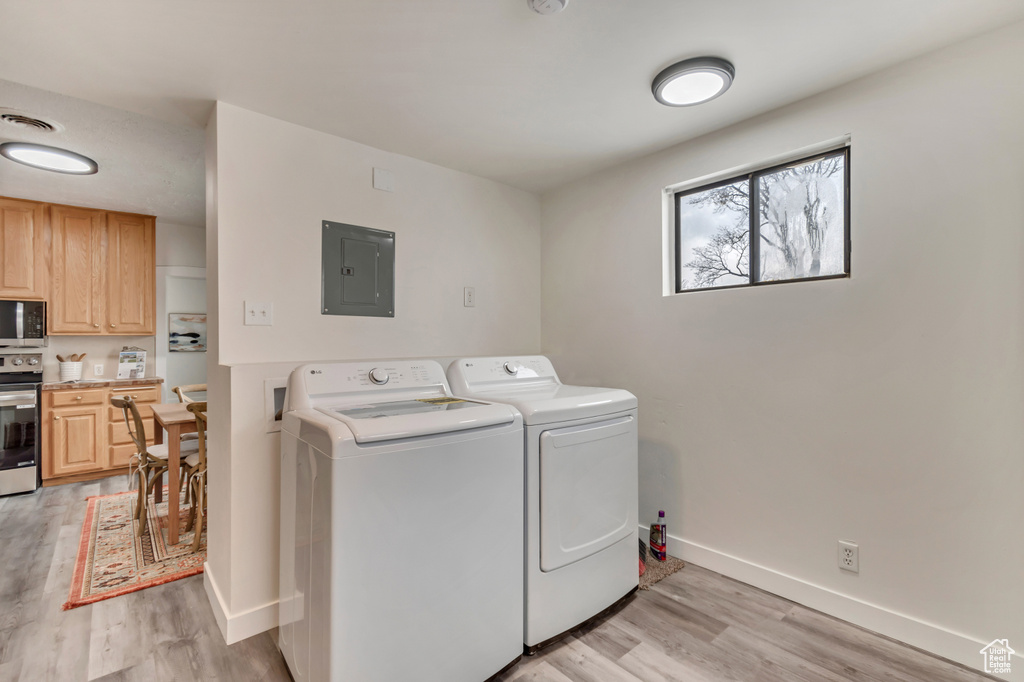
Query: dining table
[176, 419]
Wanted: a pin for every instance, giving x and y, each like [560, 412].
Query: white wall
[278, 181]
[887, 408]
[275, 183]
[181, 245]
[178, 290]
[181, 263]
[102, 350]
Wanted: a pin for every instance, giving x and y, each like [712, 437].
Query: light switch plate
[259, 313]
[469, 297]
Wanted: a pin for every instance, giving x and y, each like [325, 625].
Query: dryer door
[588, 489]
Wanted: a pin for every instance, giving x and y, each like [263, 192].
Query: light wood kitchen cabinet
[78, 293]
[24, 249]
[104, 273]
[131, 274]
[75, 423]
[86, 437]
[121, 446]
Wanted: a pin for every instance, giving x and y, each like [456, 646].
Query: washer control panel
[379, 376]
[473, 373]
[331, 382]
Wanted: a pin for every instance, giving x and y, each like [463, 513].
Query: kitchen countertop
[99, 383]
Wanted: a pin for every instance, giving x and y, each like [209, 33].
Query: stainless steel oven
[21, 375]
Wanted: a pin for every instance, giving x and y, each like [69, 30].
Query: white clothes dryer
[401, 527]
[581, 489]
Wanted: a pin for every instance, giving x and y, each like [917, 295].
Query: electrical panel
[358, 271]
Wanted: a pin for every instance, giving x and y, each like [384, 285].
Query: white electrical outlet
[97, 370]
[469, 297]
[849, 556]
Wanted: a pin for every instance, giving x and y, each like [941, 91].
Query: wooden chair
[150, 461]
[197, 476]
[183, 391]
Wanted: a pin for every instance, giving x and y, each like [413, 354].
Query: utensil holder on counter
[70, 371]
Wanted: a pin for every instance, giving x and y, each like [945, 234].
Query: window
[780, 224]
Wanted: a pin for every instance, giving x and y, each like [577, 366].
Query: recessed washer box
[358, 271]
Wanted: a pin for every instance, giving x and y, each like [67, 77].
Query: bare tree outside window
[717, 236]
[801, 227]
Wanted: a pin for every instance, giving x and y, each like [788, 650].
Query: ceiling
[486, 87]
[146, 165]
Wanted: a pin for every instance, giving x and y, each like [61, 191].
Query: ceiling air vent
[20, 120]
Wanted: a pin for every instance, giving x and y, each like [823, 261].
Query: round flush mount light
[693, 81]
[48, 158]
[547, 6]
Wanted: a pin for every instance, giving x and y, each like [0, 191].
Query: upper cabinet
[104, 273]
[131, 274]
[95, 269]
[78, 298]
[24, 249]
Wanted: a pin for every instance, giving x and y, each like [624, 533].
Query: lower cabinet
[120, 446]
[84, 436]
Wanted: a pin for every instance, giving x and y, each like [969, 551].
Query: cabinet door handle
[56, 417]
[112, 325]
[78, 397]
[95, 324]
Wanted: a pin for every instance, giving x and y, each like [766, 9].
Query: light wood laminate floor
[695, 626]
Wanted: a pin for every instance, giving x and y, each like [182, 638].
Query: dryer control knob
[33, 361]
[379, 376]
[510, 368]
[17, 362]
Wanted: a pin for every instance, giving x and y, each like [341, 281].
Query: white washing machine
[401, 527]
[581, 489]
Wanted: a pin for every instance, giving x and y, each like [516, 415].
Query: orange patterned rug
[113, 560]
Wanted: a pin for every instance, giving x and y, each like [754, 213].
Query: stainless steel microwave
[22, 323]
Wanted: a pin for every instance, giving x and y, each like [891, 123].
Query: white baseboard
[927, 636]
[220, 609]
[236, 627]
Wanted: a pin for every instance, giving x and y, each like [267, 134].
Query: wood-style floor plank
[650, 664]
[542, 671]
[580, 663]
[694, 626]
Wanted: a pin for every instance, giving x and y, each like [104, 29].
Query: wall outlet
[97, 370]
[849, 556]
[469, 297]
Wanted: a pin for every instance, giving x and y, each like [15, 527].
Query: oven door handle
[19, 398]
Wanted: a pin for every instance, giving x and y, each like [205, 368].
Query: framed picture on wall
[186, 332]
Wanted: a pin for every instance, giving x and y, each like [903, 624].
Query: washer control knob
[510, 368]
[33, 361]
[379, 376]
[17, 362]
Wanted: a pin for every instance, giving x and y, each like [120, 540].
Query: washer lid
[381, 421]
[550, 403]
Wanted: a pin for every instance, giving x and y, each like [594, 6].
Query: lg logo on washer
[316, 371]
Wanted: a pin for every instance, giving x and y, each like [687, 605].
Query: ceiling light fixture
[693, 81]
[547, 6]
[48, 158]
